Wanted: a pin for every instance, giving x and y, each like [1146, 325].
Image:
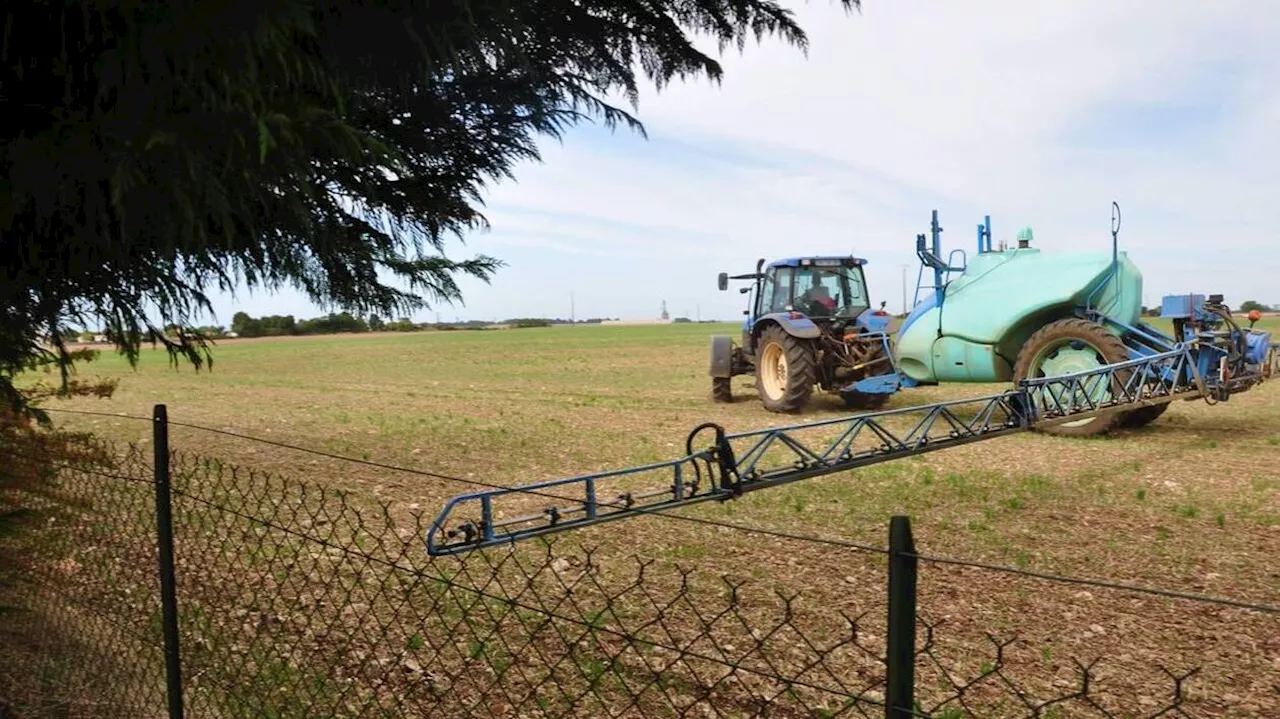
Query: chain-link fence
[278, 597]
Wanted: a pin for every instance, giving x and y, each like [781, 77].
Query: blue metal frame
[931, 258]
[738, 463]
[984, 235]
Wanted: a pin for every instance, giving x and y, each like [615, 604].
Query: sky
[1034, 113]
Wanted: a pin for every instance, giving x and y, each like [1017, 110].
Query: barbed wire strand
[1118, 586]
[1172, 594]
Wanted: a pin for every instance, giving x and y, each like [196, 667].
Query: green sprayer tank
[972, 329]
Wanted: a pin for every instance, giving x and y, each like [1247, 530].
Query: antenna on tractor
[1115, 230]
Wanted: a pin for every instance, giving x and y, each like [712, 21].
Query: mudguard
[721, 356]
[873, 321]
[794, 324]
[1258, 346]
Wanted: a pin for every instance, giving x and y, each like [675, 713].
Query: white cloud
[1034, 112]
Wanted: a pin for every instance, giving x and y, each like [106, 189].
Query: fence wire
[297, 600]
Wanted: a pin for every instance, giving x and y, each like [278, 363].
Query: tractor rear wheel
[785, 371]
[1065, 347]
[721, 390]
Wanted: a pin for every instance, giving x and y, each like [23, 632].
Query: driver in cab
[818, 298]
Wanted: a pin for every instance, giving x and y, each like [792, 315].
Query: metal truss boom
[734, 464]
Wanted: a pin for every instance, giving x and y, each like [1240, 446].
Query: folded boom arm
[737, 463]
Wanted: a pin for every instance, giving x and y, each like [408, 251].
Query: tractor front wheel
[721, 390]
[785, 371]
[1065, 347]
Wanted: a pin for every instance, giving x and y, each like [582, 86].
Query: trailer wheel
[1068, 346]
[721, 390]
[785, 371]
[1143, 416]
[864, 400]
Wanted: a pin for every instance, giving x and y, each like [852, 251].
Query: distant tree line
[280, 325]
[245, 325]
[548, 321]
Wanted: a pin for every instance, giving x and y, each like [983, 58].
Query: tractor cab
[826, 289]
[829, 291]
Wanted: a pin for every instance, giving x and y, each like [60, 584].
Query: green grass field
[1191, 502]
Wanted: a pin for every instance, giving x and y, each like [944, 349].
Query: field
[1189, 503]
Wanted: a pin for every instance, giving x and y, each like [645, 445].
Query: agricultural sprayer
[1007, 315]
[1065, 329]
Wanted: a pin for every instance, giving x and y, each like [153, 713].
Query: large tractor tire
[721, 390]
[785, 371]
[1065, 347]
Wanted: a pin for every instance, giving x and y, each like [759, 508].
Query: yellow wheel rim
[773, 371]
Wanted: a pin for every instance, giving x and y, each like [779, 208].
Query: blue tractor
[809, 323]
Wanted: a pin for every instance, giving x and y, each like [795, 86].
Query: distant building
[637, 322]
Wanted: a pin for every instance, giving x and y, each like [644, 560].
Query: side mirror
[723, 281]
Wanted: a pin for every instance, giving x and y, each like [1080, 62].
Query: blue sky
[1035, 113]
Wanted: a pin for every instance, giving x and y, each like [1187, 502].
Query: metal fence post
[900, 656]
[168, 578]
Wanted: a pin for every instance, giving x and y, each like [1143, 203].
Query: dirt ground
[1190, 503]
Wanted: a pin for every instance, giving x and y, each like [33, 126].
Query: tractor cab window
[775, 295]
[830, 291]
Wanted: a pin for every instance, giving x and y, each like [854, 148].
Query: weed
[1221, 520]
[1012, 503]
[1190, 511]
[1037, 484]
[1141, 494]
[688, 551]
